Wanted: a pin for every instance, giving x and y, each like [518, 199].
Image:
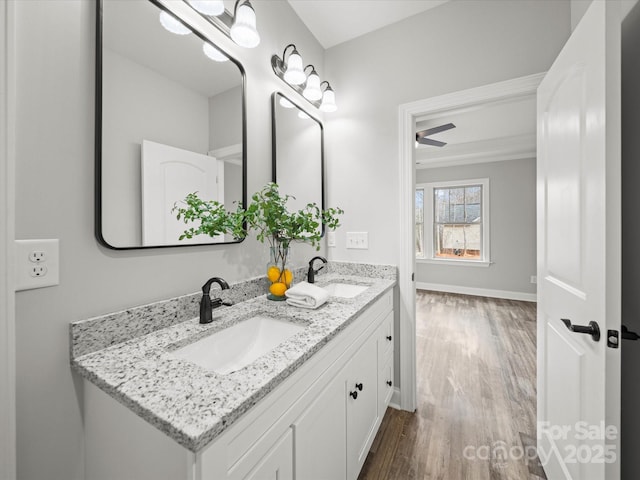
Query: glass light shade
[172, 24]
[208, 7]
[243, 31]
[303, 115]
[213, 53]
[328, 101]
[312, 90]
[286, 103]
[294, 75]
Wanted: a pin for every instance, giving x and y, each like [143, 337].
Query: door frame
[7, 236]
[407, 115]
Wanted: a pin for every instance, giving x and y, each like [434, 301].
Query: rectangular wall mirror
[298, 153]
[170, 120]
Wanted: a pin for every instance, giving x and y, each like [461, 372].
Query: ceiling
[504, 130]
[336, 21]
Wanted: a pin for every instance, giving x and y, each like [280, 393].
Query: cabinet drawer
[385, 339]
[277, 463]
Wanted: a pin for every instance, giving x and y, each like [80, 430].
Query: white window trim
[429, 257]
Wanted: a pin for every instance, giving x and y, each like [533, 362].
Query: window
[452, 222]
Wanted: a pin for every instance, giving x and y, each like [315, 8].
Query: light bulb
[172, 24]
[286, 103]
[243, 31]
[208, 7]
[328, 101]
[312, 90]
[294, 75]
[213, 53]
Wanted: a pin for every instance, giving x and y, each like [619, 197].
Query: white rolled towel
[306, 295]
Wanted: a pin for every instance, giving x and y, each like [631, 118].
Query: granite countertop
[193, 405]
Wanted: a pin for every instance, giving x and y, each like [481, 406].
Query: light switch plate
[331, 239]
[37, 263]
[358, 240]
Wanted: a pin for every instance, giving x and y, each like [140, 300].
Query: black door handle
[627, 335]
[592, 329]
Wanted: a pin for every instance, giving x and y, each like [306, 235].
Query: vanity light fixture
[240, 25]
[328, 99]
[312, 89]
[172, 24]
[208, 7]
[244, 31]
[289, 68]
[286, 103]
[213, 53]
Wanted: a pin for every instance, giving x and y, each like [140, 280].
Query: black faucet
[206, 304]
[311, 274]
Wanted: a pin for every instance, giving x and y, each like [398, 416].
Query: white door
[579, 252]
[168, 175]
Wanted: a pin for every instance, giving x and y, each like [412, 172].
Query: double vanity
[266, 390]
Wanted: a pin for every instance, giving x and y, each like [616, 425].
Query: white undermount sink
[344, 290]
[239, 345]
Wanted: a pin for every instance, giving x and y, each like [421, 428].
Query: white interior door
[168, 175]
[579, 247]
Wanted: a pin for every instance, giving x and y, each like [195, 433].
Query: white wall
[54, 189]
[165, 112]
[512, 203]
[630, 434]
[456, 46]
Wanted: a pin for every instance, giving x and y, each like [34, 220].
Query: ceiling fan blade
[429, 141]
[432, 131]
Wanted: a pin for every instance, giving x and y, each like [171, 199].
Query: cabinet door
[277, 464]
[385, 339]
[362, 405]
[320, 442]
[385, 386]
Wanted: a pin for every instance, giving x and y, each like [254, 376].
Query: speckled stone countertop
[193, 405]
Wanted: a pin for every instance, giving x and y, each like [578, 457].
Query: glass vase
[280, 277]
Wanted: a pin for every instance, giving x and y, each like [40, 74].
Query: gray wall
[512, 202]
[225, 119]
[458, 45]
[54, 198]
[630, 434]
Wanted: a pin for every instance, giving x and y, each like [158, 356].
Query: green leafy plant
[266, 214]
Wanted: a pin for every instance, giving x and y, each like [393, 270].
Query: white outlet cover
[49, 276]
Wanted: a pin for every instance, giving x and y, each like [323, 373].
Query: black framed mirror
[298, 153]
[170, 120]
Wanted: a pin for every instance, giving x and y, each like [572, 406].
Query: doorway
[408, 115]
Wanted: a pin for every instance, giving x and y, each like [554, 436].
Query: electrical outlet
[38, 271]
[37, 263]
[533, 279]
[38, 256]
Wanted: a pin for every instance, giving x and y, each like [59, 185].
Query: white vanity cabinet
[318, 424]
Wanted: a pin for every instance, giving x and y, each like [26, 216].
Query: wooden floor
[476, 415]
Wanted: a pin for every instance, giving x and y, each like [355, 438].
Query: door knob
[592, 329]
[359, 386]
[354, 395]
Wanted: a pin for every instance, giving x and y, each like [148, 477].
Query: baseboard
[480, 292]
[395, 399]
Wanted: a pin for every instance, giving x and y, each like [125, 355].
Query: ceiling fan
[421, 137]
